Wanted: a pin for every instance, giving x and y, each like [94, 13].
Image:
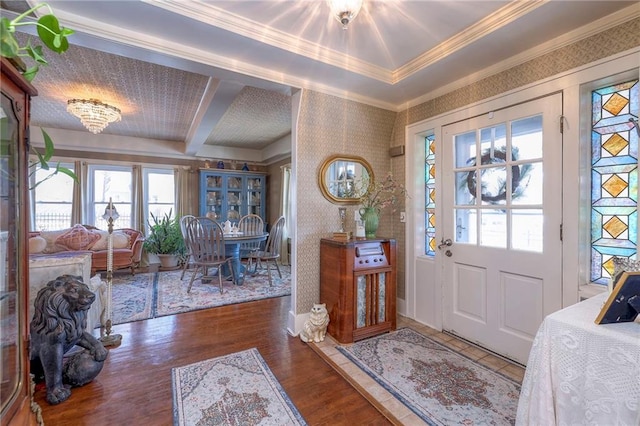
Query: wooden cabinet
[358, 284]
[15, 391]
[229, 195]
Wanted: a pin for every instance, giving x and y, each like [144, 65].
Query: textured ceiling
[217, 76]
[156, 102]
[255, 119]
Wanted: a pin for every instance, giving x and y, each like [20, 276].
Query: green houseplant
[165, 239]
[54, 38]
[49, 31]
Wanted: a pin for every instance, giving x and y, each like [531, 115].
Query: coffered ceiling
[215, 78]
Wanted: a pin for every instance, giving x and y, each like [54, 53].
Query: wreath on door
[519, 175]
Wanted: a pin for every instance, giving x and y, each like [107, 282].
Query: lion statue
[58, 325]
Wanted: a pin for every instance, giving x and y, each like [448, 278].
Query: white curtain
[138, 219]
[285, 210]
[78, 214]
[186, 191]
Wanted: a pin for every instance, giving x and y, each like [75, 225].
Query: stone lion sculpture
[315, 327]
[58, 325]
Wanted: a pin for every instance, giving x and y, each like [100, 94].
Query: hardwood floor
[134, 387]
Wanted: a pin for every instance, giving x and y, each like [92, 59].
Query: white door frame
[423, 278]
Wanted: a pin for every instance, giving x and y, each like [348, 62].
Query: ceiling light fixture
[95, 115]
[345, 11]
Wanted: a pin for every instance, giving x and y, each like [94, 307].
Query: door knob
[445, 243]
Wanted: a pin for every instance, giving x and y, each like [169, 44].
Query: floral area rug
[235, 389]
[143, 296]
[439, 385]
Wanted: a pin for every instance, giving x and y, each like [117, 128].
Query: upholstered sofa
[127, 245]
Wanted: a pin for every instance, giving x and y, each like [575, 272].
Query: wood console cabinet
[358, 284]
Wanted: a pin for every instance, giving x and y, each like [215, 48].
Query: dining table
[232, 242]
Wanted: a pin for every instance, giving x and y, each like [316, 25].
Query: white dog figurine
[315, 328]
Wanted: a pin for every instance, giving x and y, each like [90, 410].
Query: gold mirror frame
[323, 179]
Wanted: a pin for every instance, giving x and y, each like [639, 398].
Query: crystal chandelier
[345, 11]
[95, 115]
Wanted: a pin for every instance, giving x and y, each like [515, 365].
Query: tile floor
[395, 411]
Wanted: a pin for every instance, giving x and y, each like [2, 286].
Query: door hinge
[560, 232]
[561, 124]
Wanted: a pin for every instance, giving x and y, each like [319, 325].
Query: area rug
[143, 296]
[235, 389]
[439, 385]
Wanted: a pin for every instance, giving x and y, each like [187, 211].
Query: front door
[502, 200]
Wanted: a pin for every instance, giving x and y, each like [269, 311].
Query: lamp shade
[110, 212]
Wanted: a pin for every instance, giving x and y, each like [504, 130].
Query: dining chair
[206, 244]
[183, 228]
[250, 224]
[271, 250]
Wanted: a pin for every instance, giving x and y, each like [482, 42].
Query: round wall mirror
[344, 179]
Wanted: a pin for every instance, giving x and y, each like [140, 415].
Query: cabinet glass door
[10, 343]
[234, 198]
[255, 195]
[214, 196]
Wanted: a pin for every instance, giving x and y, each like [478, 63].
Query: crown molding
[593, 28]
[169, 48]
[177, 50]
[215, 16]
[503, 16]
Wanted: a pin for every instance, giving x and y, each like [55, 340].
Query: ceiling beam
[209, 113]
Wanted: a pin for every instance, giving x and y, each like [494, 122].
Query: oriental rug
[150, 295]
[440, 386]
[235, 389]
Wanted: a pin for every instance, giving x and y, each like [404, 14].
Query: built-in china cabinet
[358, 285]
[229, 195]
[15, 385]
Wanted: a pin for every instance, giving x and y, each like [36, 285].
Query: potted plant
[165, 240]
[54, 37]
[49, 31]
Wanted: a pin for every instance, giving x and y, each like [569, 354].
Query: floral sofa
[127, 245]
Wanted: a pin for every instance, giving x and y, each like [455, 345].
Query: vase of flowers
[381, 194]
[371, 218]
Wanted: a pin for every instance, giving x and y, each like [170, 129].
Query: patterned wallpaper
[331, 125]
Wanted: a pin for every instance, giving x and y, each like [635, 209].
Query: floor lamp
[110, 215]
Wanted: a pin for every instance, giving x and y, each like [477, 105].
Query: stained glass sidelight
[614, 177]
[430, 195]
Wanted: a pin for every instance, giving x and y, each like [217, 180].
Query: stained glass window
[430, 195]
[614, 177]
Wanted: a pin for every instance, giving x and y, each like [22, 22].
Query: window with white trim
[53, 199]
[159, 193]
[107, 182]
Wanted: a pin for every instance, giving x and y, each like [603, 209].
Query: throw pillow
[623, 264]
[37, 244]
[120, 240]
[77, 238]
[51, 237]
[101, 242]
